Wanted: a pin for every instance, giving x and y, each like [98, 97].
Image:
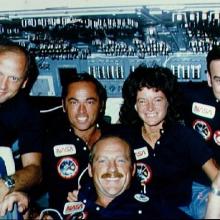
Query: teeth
[151, 115]
[82, 119]
[113, 179]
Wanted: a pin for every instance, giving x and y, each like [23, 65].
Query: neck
[103, 201]
[90, 136]
[151, 135]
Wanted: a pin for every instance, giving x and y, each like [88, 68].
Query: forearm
[213, 208]
[24, 180]
[27, 177]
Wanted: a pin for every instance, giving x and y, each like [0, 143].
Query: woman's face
[151, 106]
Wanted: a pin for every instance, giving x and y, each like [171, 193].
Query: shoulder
[197, 92]
[184, 133]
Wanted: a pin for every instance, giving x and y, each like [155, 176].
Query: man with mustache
[113, 194]
[67, 147]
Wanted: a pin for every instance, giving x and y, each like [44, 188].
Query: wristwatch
[9, 182]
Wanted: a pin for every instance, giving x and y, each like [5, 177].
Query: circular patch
[141, 197]
[216, 137]
[67, 167]
[203, 128]
[144, 173]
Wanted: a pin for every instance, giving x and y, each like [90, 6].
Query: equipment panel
[109, 43]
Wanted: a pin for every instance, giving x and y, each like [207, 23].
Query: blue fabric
[14, 214]
[198, 205]
[3, 171]
[128, 206]
[20, 120]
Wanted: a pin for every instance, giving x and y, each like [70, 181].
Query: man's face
[111, 168]
[214, 77]
[12, 74]
[151, 106]
[82, 105]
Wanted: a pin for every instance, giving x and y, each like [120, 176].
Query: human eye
[158, 100]
[13, 78]
[141, 101]
[218, 81]
[73, 102]
[121, 160]
[91, 101]
[101, 160]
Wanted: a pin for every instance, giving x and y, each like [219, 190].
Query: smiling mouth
[82, 119]
[3, 92]
[151, 115]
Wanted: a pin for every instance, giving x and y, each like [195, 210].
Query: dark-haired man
[68, 145]
[203, 104]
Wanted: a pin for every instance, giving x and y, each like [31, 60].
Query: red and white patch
[206, 111]
[67, 167]
[141, 153]
[203, 128]
[64, 150]
[73, 208]
[144, 173]
[216, 137]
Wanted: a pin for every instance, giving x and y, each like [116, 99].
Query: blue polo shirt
[202, 113]
[20, 120]
[168, 170]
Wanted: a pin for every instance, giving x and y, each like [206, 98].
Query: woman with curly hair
[168, 154]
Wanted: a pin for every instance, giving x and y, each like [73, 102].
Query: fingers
[7, 204]
[73, 196]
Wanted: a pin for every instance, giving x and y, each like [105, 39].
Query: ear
[209, 79]
[134, 169]
[63, 104]
[135, 107]
[90, 170]
[24, 83]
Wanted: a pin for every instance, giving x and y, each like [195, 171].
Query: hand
[216, 182]
[73, 196]
[3, 190]
[15, 197]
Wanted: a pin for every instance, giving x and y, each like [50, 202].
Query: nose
[112, 166]
[3, 82]
[82, 108]
[150, 106]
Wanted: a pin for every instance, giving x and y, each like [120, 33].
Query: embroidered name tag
[64, 150]
[73, 207]
[203, 110]
[141, 153]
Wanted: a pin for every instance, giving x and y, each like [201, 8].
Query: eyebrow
[75, 99]
[216, 77]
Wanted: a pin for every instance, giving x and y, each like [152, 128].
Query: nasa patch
[216, 137]
[206, 111]
[67, 167]
[203, 128]
[141, 197]
[73, 208]
[64, 150]
[141, 153]
[144, 173]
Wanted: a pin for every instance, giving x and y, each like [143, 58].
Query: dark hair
[104, 137]
[213, 54]
[85, 77]
[160, 78]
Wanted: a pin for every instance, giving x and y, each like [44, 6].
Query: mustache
[112, 175]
